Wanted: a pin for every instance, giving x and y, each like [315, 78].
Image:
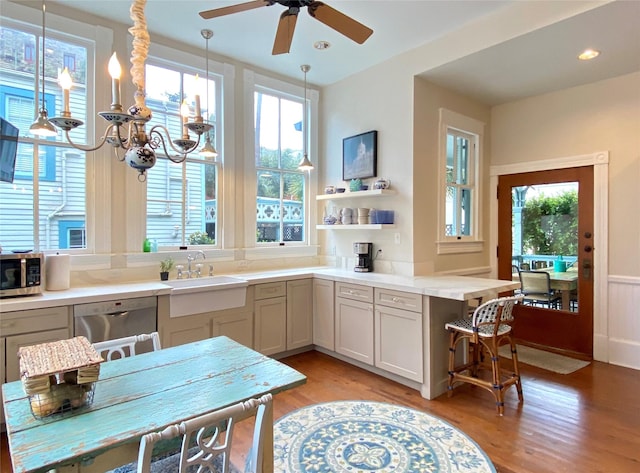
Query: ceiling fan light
[42, 126]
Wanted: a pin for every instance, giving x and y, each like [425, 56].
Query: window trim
[257, 82]
[459, 244]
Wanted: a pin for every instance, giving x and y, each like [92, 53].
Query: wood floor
[587, 421]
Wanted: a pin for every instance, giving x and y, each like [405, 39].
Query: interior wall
[599, 117]
[429, 99]
[378, 99]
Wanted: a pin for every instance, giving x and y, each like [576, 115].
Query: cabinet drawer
[399, 300]
[272, 289]
[354, 292]
[34, 320]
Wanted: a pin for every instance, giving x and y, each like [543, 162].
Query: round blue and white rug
[364, 437]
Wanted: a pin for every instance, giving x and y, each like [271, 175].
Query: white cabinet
[283, 316]
[270, 318]
[323, 314]
[29, 327]
[354, 322]
[399, 333]
[236, 323]
[299, 313]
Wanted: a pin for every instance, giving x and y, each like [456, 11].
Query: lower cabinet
[398, 342]
[283, 316]
[271, 323]
[354, 329]
[399, 333]
[29, 327]
[236, 324]
[323, 314]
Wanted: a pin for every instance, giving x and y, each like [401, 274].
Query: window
[182, 198]
[281, 188]
[49, 182]
[460, 152]
[69, 61]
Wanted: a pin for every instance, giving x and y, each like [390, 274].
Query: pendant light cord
[43, 107]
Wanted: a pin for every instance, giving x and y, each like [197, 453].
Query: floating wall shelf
[369, 226]
[354, 195]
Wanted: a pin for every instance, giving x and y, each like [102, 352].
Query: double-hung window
[46, 202]
[182, 198]
[282, 194]
[460, 154]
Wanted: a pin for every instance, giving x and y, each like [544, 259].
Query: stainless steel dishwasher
[99, 321]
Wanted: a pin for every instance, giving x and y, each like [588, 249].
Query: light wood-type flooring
[587, 421]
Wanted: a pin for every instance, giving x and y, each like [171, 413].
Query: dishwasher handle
[123, 314]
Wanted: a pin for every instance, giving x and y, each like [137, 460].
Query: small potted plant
[166, 265]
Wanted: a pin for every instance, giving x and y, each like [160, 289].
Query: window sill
[267, 252]
[456, 247]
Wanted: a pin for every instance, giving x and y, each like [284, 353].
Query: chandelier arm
[182, 154]
[100, 144]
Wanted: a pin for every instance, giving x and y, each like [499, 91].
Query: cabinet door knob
[395, 299]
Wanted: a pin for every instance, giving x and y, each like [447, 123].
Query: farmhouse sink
[199, 295]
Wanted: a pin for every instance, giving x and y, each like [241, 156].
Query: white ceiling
[535, 63]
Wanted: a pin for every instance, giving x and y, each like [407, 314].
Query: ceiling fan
[331, 17]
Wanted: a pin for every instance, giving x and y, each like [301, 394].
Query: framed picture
[359, 156]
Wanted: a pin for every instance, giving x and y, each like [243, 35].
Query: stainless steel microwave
[21, 274]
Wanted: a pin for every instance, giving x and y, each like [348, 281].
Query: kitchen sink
[199, 295]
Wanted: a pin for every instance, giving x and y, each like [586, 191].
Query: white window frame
[256, 82]
[99, 43]
[185, 63]
[453, 121]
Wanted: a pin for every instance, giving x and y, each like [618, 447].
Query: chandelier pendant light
[42, 125]
[305, 164]
[138, 145]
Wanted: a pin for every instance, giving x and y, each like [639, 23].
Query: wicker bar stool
[489, 327]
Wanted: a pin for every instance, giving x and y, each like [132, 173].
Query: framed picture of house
[359, 156]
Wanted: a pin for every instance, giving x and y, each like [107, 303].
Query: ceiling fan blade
[284, 33]
[216, 12]
[340, 22]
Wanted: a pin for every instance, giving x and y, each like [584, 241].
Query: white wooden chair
[207, 439]
[126, 346]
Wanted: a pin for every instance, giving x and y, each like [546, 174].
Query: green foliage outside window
[550, 225]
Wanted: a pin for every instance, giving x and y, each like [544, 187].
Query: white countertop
[448, 287]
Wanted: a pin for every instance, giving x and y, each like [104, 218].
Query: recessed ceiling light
[321, 45]
[588, 54]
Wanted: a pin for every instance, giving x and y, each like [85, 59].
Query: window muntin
[49, 183]
[182, 198]
[280, 188]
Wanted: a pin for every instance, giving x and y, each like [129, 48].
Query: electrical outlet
[396, 238]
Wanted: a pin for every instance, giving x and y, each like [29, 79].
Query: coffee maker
[364, 254]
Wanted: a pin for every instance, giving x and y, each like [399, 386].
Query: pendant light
[305, 164]
[42, 126]
[207, 150]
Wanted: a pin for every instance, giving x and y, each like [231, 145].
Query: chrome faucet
[191, 258]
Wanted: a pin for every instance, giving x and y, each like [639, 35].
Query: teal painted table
[138, 395]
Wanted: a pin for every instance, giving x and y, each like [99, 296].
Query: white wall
[603, 116]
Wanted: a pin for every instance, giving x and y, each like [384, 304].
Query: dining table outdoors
[563, 281]
[139, 395]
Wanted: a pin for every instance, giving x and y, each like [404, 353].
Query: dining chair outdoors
[536, 288]
[125, 346]
[488, 329]
[207, 441]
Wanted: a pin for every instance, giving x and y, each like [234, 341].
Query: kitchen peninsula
[391, 325]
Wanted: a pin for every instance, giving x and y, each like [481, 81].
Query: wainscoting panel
[624, 321]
